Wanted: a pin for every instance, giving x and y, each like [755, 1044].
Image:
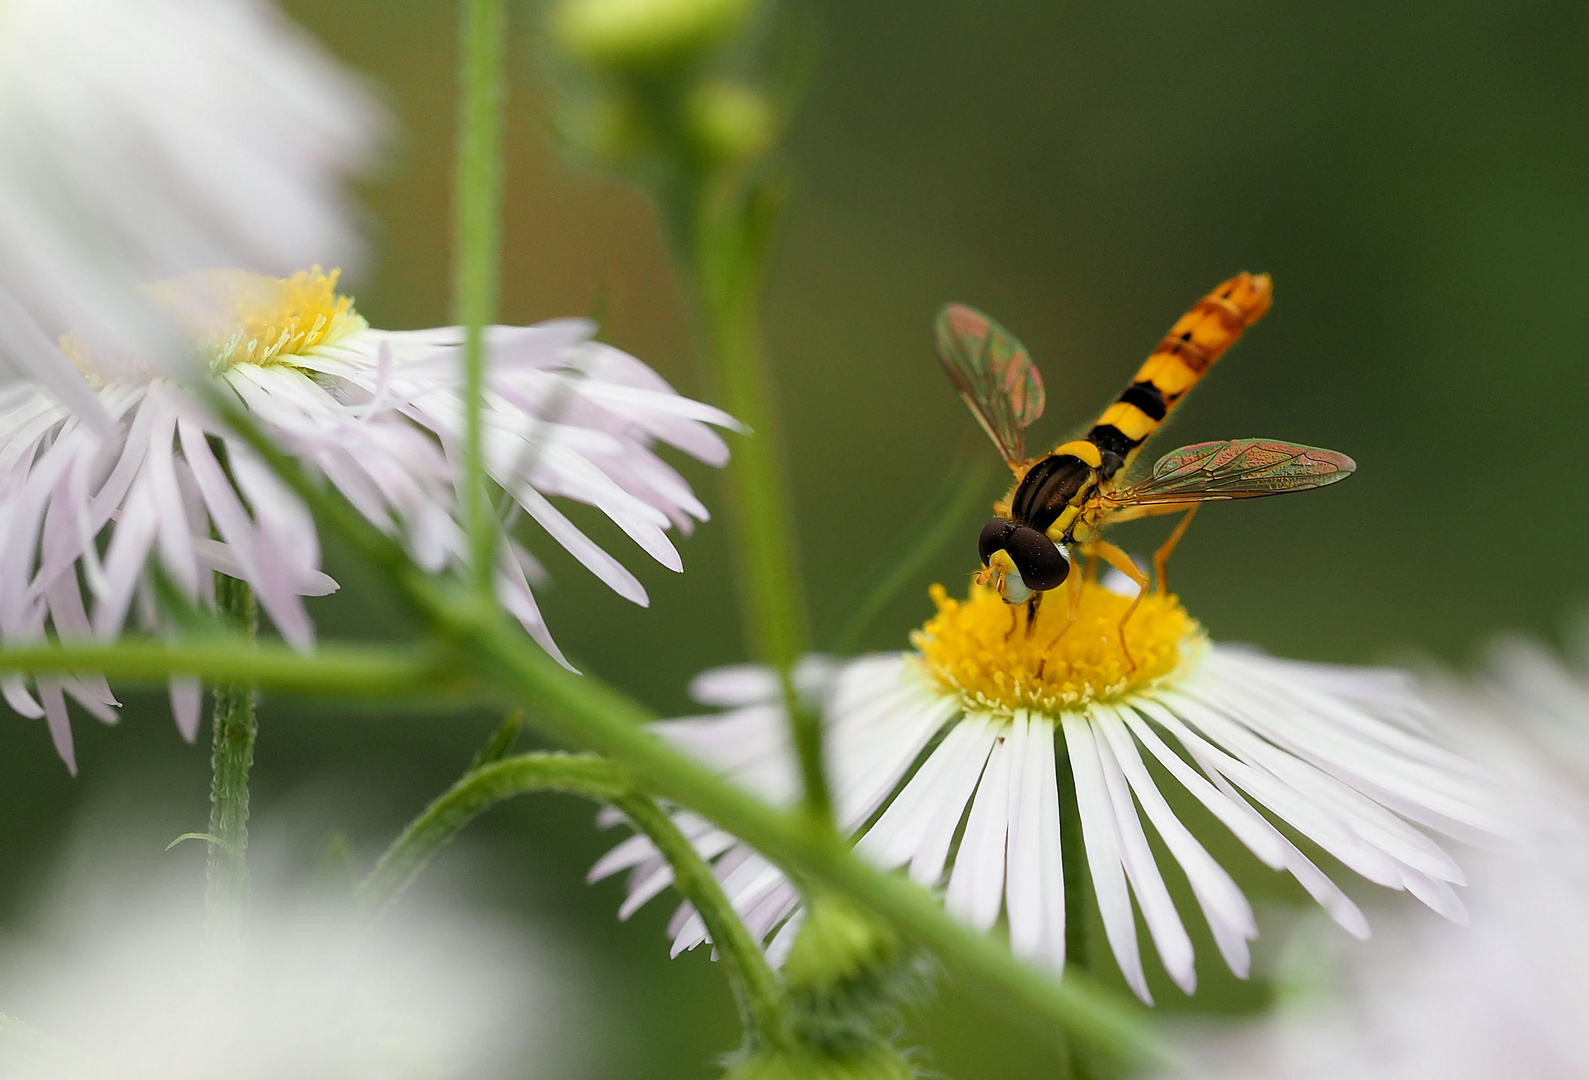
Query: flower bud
[645, 38]
[847, 976]
[837, 946]
[730, 124]
[877, 1061]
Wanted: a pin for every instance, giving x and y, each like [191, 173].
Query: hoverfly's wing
[1235, 469]
[994, 374]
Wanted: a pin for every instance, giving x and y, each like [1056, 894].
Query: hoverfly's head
[1019, 561]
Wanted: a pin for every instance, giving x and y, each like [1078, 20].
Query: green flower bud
[730, 124]
[838, 945]
[645, 38]
[847, 976]
[877, 1061]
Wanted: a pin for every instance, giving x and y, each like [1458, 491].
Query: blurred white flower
[972, 735]
[378, 412]
[143, 139]
[1506, 996]
[115, 982]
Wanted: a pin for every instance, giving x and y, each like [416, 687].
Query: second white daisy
[960, 761]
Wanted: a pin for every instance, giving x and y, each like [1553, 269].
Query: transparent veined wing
[994, 374]
[1235, 469]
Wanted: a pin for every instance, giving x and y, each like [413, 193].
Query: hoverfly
[1061, 501]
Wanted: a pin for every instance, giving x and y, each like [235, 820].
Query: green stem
[476, 255]
[761, 999]
[723, 244]
[231, 757]
[333, 670]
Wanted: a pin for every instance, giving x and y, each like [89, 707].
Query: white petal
[1237, 816]
[1228, 913]
[60, 725]
[186, 698]
[1024, 897]
[1158, 910]
[1101, 837]
[976, 883]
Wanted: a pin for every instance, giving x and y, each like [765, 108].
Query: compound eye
[994, 534]
[1042, 565]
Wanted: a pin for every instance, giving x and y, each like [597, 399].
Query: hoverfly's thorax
[1049, 488]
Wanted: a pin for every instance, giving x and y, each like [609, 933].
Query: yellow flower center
[984, 650]
[235, 317]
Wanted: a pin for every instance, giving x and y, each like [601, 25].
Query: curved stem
[756, 988]
[231, 756]
[476, 792]
[477, 239]
[761, 998]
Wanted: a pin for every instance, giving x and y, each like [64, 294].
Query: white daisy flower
[143, 139]
[992, 732]
[378, 412]
[1507, 995]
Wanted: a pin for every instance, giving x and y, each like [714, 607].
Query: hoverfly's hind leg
[1122, 562]
[1161, 557]
[1031, 611]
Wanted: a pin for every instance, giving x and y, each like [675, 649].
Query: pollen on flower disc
[983, 649]
[242, 318]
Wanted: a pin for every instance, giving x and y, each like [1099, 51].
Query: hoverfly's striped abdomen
[1187, 352]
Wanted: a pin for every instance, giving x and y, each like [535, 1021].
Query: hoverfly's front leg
[1161, 557]
[1073, 587]
[1122, 562]
[1031, 611]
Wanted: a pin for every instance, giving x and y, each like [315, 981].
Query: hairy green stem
[478, 790]
[235, 727]
[761, 999]
[477, 250]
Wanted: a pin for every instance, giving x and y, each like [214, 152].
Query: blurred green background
[1412, 175]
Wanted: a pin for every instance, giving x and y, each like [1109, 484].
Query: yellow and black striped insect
[1062, 500]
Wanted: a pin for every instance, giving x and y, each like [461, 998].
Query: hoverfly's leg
[1092, 566]
[1122, 562]
[1073, 586]
[1031, 612]
[1162, 556]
